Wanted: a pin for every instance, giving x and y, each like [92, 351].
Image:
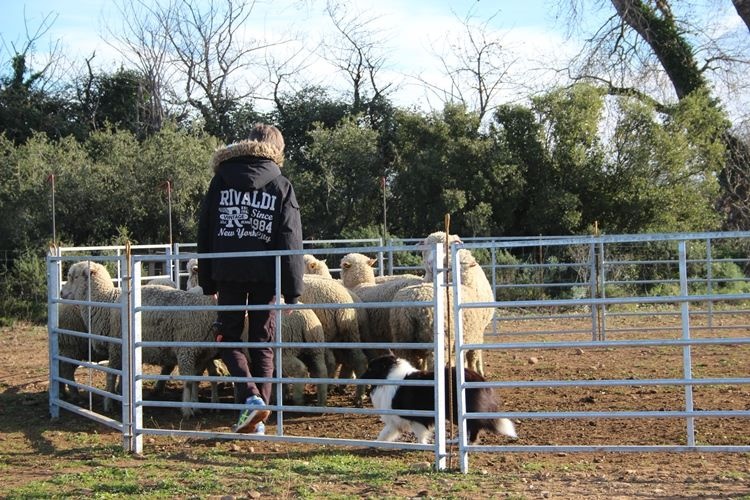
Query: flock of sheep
[89, 281]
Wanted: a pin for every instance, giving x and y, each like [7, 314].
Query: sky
[413, 33]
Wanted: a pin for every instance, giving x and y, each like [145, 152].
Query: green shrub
[23, 289]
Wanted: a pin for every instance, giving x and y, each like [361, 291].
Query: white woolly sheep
[428, 257]
[358, 275]
[339, 324]
[192, 269]
[302, 325]
[416, 324]
[163, 281]
[315, 266]
[75, 347]
[161, 326]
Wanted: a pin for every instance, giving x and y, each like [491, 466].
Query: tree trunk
[743, 9]
[659, 30]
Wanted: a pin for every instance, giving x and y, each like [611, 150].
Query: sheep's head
[315, 266]
[80, 275]
[192, 269]
[356, 269]
[428, 254]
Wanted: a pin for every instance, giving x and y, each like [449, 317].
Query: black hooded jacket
[250, 207]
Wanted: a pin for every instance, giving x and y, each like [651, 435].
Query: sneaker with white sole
[254, 414]
[260, 429]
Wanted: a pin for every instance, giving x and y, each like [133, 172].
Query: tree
[29, 100]
[213, 58]
[445, 165]
[651, 175]
[646, 38]
[144, 44]
[119, 99]
[476, 67]
[358, 52]
[341, 187]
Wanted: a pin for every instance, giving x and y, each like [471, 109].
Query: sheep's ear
[323, 261]
[371, 262]
[345, 265]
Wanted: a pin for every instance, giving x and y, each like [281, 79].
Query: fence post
[594, 291]
[53, 309]
[709, 283]
[126, 284]
[493, 266]
[136, 383]
[687, 363]
[438, 279]
[278, 356]
[602, 308]
[463, 455]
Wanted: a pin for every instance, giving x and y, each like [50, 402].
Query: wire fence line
[553, 293]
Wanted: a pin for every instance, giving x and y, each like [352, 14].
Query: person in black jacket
[250, 207]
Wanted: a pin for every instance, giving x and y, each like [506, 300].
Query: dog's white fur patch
[382, 398]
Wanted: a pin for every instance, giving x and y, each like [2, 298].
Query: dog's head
[380, 367]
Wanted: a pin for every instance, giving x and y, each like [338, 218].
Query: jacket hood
[247, 164]
[247, 148]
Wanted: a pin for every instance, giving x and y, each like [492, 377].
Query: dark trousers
[261, 328]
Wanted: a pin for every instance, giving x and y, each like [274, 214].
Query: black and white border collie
[422, 397]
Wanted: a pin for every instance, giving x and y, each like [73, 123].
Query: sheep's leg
[67, 371]
[338, 367]
[474, 361]
[213, 372]
[360, 366]
[331, 364]
[317, 369]
[162, 384]
[115, 362]
[186, 362]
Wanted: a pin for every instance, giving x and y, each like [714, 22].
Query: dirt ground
[29, 440]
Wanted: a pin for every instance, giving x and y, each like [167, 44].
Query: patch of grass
[533, 466]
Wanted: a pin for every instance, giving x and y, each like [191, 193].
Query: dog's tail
[505, 427]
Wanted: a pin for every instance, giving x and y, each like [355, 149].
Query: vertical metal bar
[381, 262]
[603, 293]
[176, 265]
[687, 363]
[136, 367]
[53, 309]
[169, 264]
[709, 283]
[593, 280]
[438, 278]
[277, 351]
[493, 266]
[463, 455]
[126, 334]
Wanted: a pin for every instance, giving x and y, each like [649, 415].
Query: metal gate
[551, 294]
